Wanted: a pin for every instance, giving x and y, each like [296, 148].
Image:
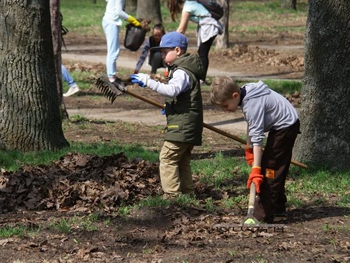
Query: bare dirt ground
[82, 193]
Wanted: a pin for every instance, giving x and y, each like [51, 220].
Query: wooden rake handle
[208, 126]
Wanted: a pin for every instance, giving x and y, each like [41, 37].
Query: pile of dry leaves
[79, 182]
[83, 182]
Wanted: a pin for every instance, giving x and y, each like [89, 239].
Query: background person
[207, 30]
[155, 57]
[73, 87]
[111, 22]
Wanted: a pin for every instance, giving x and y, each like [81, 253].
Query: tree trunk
[289, 4]
[57, 43]
[130, 6]
[149, 10]
[222, 41]
[325, 108]
[29, 116]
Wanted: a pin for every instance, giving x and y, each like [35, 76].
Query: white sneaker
[71, 91]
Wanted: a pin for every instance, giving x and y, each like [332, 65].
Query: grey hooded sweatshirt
[265, 110]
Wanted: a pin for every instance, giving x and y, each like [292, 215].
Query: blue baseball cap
[172, 40]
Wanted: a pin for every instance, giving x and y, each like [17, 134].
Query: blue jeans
[113, 47]
[67, 77]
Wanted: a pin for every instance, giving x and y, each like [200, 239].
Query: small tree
[222, 41]
[289, 4]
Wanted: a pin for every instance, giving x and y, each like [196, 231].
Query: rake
[250, 222]
[111, 90]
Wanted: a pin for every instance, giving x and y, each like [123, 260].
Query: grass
[86, 19]
[304, 187]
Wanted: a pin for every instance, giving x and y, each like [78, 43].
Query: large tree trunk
[222, 41]
[325, 108]
[149, 10]
[29, 116]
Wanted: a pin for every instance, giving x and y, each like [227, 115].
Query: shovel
[112, 90]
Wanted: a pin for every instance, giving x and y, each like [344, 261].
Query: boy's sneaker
[72, 90]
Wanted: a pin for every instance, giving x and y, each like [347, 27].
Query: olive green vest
[185, 112]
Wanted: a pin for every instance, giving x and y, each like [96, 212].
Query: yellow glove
[134, 21]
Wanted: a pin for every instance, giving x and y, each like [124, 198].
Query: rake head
[260, 227]
[111, 90]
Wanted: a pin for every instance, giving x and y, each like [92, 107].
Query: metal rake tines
[107, 88]
[257, 228]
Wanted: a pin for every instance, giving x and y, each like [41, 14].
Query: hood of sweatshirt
[255, 90]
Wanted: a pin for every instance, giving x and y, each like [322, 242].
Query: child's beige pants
[175, 168]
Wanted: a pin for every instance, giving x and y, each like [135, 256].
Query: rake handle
[210, 127]
[154, 103]
[252, 194]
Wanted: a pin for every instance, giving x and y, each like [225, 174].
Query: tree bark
[56, 22]
[325, 108]
[289, 4]
[149, 10]
[222, 41]
[130, 6]
[29, 115]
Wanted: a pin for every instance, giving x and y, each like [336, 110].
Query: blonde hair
[222, 89]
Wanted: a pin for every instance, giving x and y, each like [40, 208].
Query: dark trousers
[275, 164]
[156, 62]
[203, 53]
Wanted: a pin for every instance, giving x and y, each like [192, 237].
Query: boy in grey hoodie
[265, 111]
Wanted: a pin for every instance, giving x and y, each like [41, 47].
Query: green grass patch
[67, 225]
[280, 86]
[85, 18]
[8, 231]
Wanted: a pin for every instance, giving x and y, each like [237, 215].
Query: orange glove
[256, 178]
[136, 71]
[249, 156]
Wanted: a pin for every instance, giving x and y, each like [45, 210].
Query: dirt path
[245, 66]
[97, 54]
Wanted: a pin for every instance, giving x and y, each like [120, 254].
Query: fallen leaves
[79, 182]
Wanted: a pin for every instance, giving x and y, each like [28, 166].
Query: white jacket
[208, 27]
[114, 12]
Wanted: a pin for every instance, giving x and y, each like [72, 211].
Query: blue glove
[140, 79]
[162, 111]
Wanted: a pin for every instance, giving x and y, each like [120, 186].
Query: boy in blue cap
[183, 110]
